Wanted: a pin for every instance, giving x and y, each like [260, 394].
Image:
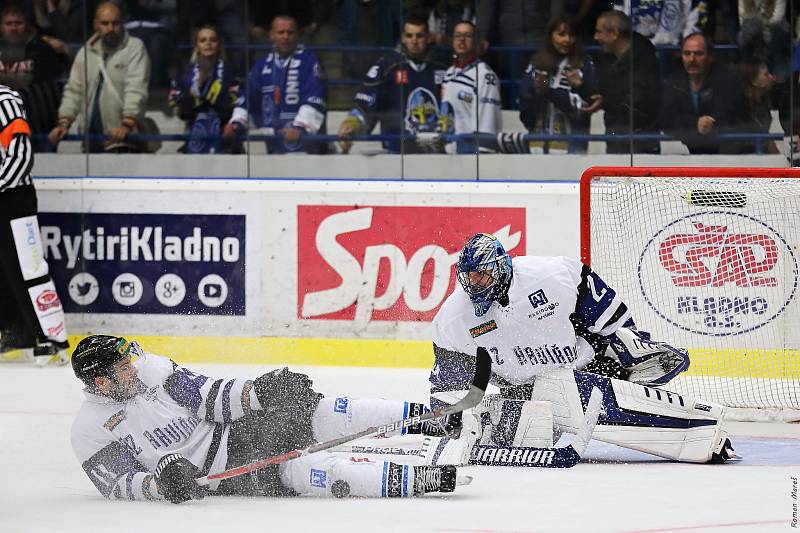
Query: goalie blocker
[518, 432]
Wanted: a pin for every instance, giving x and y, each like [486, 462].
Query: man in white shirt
[470, 93]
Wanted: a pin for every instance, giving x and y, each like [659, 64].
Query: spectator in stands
[226, 15]
[401, 91]
[667, 23]
[757, 83]
[764, 31]
[628, 82]
[108, 80]
[62, 20]
[33, 68]
[557, 94]
[470, 92]
[286, 93]
[703, 100]
[205, 95]
[305, 12]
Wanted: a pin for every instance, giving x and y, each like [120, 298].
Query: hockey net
[707, 259]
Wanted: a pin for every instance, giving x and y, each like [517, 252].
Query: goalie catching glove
[175, 476]
[650, 363]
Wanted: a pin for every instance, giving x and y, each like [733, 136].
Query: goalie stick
[483, 368]
[481, 454]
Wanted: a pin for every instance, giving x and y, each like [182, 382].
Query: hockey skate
[51, 354]
[437, 479]
[725, 454]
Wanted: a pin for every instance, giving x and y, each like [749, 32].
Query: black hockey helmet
[95, 353]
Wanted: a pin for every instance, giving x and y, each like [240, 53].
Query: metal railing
[759, 140]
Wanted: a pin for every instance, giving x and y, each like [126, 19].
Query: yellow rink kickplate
[287, 350]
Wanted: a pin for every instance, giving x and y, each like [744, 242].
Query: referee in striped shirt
[31, 315]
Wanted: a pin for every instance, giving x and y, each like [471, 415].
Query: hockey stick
[483, 367]
[561, 457]
[378, 450]
[481, 454]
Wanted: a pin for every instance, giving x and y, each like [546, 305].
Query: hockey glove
[282, 390]
[175, 476]
[649, 362]
[449, 426]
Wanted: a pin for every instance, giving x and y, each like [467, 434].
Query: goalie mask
[484, 271]
[96, 353]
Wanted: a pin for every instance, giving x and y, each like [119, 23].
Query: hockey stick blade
[483, 371]
[562, 457]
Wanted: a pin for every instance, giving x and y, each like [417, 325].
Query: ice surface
[45, 490]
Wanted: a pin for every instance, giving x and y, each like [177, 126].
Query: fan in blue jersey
[552, 328]
[401, 91]
[286, 94]
[667, 22]
[149, 427]
[205, 95]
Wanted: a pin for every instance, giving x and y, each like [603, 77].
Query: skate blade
[463, 479]
[58, 359]
[17, 355]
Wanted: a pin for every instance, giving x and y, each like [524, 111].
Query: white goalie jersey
[555, 304]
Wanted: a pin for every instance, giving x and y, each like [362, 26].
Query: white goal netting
[710, 263]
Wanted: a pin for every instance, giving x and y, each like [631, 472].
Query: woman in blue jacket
[205, 95]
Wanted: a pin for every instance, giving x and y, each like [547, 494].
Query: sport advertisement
[389, 263]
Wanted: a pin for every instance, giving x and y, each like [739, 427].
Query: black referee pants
[20, 324]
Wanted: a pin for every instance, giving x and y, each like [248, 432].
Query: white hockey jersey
[554, 303]
[470, 100]
[119, 444]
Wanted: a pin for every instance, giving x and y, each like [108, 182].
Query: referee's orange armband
[16, 127]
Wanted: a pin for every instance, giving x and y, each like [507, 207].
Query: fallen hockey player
[150, 428]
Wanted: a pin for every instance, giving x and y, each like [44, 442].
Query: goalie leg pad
[656, 421]
[520, 423]
[649, 420]
[497, 422]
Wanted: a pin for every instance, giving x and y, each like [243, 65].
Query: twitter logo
[83, 288]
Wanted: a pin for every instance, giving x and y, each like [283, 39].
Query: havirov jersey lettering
[550, 298]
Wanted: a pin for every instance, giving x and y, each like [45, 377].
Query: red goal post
[707, 259]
